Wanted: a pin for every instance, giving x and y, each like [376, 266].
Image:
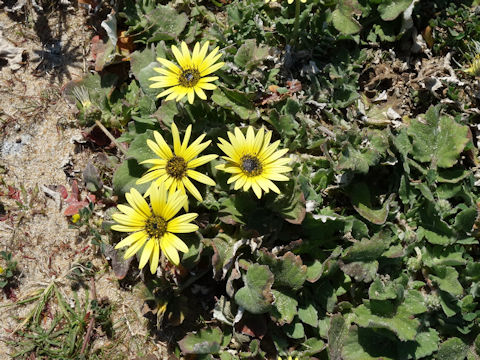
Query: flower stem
[111, 137]
[297, 18]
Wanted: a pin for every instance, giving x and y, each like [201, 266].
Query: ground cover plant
[281, 179]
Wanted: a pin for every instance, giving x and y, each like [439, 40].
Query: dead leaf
[92, 178]
[427, 34]
[11, 53]
[125, 44]
[120, 266]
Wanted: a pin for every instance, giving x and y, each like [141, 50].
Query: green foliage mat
[371, 249]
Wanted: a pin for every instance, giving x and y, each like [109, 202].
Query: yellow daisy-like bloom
[253, 161]
[289, 1]
[190, 77]
[153, 228]
[175, 168]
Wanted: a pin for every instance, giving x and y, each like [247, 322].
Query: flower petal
[201, 160]
[154, 257]
[146, 252]
[192, 189]
[132, 250]
[176, 139]
[166, 244]
[178, 243]
[200, 177]
[138, 202]
[130, 239]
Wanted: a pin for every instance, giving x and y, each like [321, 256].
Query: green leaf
[126, 175]
[365, 250]
[295, 330]
[402, 324]
[289, 270]
[437, 139]
[336, 334]
[434, 238]
[465, 220]
[239, 102]
[166, 112]
[286, 125]
[342, 17]
[206, 341]
[452, 349]
[314, 271]
[361, 271]
[449, 304]
[446, 277]
[168, 23]
[249, 55]
[425, 344]
[390, 9]
[313, 346]
[285, 307]
[413, 302]
[354, 160]
[366, 344]
[360, 195]
[382, 291]
[139, 149]
[439, 255]
[403, 145]
[256, 296]
[382, 314]
[130, 171]
[472, 271]
[345, 23]
[360, 156]
[476, 343]
[308, 314]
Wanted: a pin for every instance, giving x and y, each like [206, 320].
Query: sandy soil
[38, 151]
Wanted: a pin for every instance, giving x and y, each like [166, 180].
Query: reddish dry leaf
[292, 87]
[63, 191]
[74, 202]
[97, 46]
[13, 193]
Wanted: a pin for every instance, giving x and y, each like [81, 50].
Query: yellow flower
[253, 161]
[153, 228]
[289, 1]
[1, 270]
[190, 77]
[289, 358]
[75, 218]
[175, 168]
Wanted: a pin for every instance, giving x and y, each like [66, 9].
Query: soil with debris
[40, 51]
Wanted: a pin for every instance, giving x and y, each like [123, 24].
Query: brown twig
[111, 137]
[91, 324]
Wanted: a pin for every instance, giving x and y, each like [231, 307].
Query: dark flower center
[156, 226]
[189, 77]
[250, 165]
[176, 167]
